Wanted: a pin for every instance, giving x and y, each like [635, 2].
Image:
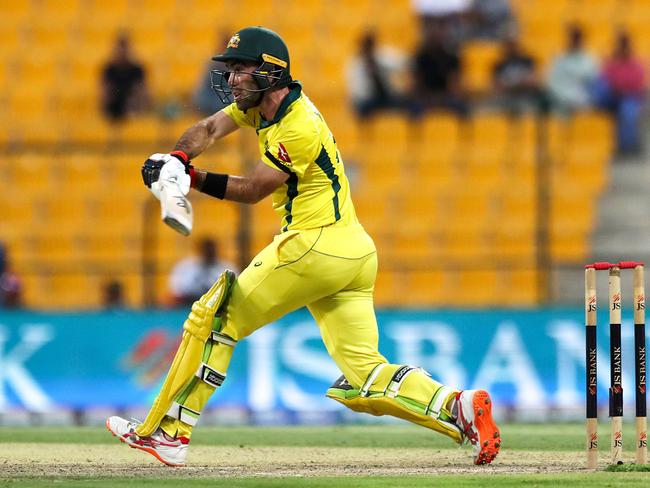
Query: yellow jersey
[298, 142]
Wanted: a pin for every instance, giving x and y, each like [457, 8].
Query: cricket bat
[175, 209]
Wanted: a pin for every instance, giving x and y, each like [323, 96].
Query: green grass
[544, 438]
[628, 480]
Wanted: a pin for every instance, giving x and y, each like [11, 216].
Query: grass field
[359, 456]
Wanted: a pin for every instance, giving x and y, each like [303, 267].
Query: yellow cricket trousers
[332, 271]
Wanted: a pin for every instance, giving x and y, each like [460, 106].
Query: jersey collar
[295, 89]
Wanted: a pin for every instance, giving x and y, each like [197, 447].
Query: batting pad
[405, 392]
[201, 356]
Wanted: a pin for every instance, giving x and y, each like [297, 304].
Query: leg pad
[398, 391]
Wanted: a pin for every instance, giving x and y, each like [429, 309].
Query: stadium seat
[140, 130]
[520, 287]
[426, 288]
[31, 172]
[478, 59]
[387, 284]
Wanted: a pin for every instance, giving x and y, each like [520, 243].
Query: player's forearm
[195, 140]
[227, 187]
[198, 138]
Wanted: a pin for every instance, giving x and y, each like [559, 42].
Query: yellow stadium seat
[83, 172]
[390, 130]
[68, 211]
[478, 59]
[437, 140]
[18, 210]
[33, 289]
[411, 250]
[139, 130]
[570, 248]
[471, 204]
[594, 128]
[31, 172]
[440, 128]
[520, 287]
[207, 210]
[514, 243]
[63, 291]
[573, 211]
[15, 10]
[61, 12]
[91, 130]
[50, 40]
[108, 12]
[424, 288]
[56, 247]
[112, 247]
[28, 105]
[370, 208]
[475, 288]
[388, 287]
[44, 131]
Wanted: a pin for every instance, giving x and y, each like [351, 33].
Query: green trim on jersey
[325, 163]
[295, 90]
[292, 193]
[299, 143]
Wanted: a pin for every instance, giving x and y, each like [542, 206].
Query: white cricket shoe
[478, 426]
[171, 451]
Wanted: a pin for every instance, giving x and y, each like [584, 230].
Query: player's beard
[248, 99]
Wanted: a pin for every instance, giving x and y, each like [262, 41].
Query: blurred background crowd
[508, 117]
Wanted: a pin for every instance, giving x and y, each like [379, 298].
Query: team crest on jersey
[233, 42]
[283, 155]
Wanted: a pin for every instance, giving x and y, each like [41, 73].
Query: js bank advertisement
[530, 360]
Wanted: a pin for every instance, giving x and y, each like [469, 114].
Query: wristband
[184, 158]
[215, 185]
[192, 176]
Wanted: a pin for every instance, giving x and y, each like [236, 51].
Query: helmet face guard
[266, 75]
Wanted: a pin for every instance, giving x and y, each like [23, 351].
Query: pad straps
[398, 378]
[438, 401]
[184, 414]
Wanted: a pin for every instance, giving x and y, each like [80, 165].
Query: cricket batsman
[322, 259]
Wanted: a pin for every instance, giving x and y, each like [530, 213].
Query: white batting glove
[171, 170]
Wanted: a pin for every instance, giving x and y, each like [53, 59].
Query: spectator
[515, 80]
[437, 72]
[113, 294]
[124, 88]
[193, 276]
[573, 75]
[620, 90]
[445, 14]
[204, 99]
[10, 285]
[374, 77]
[489, 19]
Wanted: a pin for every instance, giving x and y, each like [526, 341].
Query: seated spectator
[445, 14]
[11, 288]
[113, 295]
[374, 77]
[516, 86]
[489, 19]
[572, 75]
[620, 89]
[193, 276]
[204, 99]
[124, 88]
[437, 73]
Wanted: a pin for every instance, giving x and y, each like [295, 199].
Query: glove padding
[165, 167]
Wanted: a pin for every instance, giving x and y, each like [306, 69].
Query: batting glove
[178, 171]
